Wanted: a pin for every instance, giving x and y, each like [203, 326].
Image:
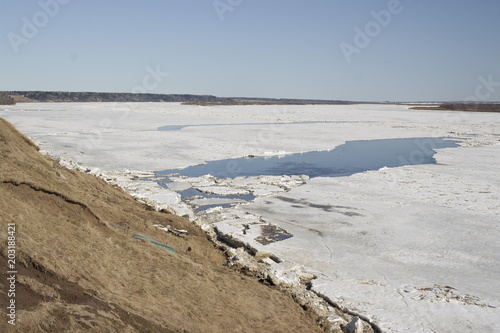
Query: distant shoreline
[188, 99]
[465, 107]
[12, 97]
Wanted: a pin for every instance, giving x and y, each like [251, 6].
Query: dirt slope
[79, 272]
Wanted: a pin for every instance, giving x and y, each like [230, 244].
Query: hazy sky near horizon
[420, 50]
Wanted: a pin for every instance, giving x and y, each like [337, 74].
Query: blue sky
[423, 50]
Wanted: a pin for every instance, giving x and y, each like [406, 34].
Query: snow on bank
[135, 183]
[413, 248]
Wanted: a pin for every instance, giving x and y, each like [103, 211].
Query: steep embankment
[6, 99]
[79, 269]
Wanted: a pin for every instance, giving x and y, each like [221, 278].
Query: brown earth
[6, 99]
[77, 271]
[22, 99]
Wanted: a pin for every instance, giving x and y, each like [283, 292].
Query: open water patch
[191, 195]
[344, 160]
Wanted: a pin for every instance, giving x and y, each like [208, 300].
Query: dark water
[344, 160]
[192, 193]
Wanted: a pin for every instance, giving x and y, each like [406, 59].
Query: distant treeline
[63, 96]
[272, 101]
[482, 107]
[463, 106]
[6, 99]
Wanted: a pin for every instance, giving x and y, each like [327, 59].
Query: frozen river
[413, 246]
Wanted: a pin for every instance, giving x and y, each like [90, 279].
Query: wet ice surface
[415, 248]
[179, 127]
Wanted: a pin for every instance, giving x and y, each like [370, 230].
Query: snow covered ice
[413, 248]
